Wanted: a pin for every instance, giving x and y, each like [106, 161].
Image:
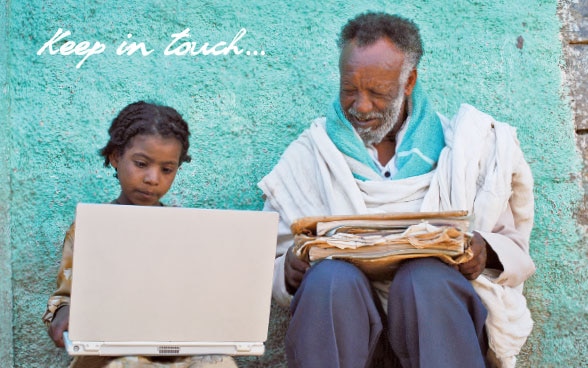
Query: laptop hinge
[85, 348]
[243, 348]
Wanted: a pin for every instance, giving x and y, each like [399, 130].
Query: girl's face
[147, 168]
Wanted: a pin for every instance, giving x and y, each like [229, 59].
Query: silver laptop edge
[153, 349]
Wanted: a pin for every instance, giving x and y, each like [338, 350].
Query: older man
[382, 148]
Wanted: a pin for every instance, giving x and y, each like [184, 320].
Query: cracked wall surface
[574, 15]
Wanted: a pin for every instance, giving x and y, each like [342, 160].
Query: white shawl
[481, 169]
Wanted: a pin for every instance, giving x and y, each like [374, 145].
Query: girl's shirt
[61, 296]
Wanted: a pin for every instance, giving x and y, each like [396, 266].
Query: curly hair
[367, 28]
[146, 118]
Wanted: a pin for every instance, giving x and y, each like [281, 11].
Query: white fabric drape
[481, 170]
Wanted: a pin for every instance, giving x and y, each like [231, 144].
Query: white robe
[481, 169]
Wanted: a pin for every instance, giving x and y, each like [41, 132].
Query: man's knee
[338, 278]
[430, 275]
[328, 271]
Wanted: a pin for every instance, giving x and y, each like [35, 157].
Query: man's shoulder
[303, 147]
[469, 112]
[319, 122]
[317, 126]
[470, 117]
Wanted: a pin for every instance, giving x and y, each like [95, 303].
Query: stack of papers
[378, 243]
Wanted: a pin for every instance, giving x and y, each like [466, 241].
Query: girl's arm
[59, 300]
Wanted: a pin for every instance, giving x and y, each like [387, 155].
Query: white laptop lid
[170, 281]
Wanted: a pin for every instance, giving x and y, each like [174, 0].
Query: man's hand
[294, 270]
[59, 324]
[474, 267]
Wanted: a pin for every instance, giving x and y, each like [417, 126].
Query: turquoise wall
[5, 246]
[244, 110]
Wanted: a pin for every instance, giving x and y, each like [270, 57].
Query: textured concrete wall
[504, 57]
[5, 258]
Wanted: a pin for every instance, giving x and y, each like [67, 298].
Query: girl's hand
[59, 324]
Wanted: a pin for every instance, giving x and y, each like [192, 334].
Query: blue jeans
[434, 318]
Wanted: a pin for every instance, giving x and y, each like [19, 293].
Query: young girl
[147, 145]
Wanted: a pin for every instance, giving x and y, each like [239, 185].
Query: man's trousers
[434, 318]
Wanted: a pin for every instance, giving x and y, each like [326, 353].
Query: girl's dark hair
[146, 118]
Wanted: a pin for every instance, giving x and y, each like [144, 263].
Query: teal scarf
[419, 150]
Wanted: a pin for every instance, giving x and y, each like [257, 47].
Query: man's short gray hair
[367, 28]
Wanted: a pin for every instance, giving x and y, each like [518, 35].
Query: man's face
[373, 87]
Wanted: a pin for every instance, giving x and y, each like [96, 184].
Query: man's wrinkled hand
[475, 266]
[294, 270]
[59, 324]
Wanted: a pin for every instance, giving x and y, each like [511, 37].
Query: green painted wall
[244, 110]
[5, 246]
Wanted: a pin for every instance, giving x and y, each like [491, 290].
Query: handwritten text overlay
[178, 46]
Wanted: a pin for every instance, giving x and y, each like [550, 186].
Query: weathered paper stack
[378, 243]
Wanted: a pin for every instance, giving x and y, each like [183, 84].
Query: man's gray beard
[388, 117]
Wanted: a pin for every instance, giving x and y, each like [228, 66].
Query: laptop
[170, 281]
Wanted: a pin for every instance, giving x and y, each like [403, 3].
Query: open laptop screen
[147, 277]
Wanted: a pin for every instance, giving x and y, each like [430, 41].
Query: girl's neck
[122, 200]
